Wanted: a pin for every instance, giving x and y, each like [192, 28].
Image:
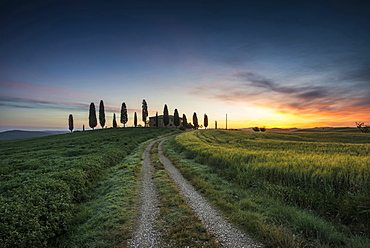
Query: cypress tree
[135, 119]
[195, 121]
[70, 122]
[124, 117]
[114, 121]
[101, 114]
[166, 118]
[176, 118]
[144, 112]
[92, 116]
[184, 121]
[156, 119]
[215, 124]
[205, 121]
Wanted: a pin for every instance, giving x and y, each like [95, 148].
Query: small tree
[101, 114]
[205, 121]
[124, 117]
[70, 122]
[362, 127]
[114, 121]
[144, 112]
[256, 129]
[195, 121]
[156, 119]
[166, 118]
[83, 127]
[262, 129]
[184, 121]
[215, 124]
[176, 118]
[92, 116]
[189, 125]
[135, 119]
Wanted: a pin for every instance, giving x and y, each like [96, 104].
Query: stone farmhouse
[160, 121]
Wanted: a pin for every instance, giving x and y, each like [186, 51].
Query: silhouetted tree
[362, 127]
[70, 122]
[124, 117]
[189, 125]
[176, 118]
[256, 129]
[114, 121]
[83, 127]
[156, 119]
[92, 116]
[166, 118]
[262, 129]
[144, 112]
[184, 121]
[215, 124]
[135, 119]
[205, 121]
[195, 121]
[101, 114]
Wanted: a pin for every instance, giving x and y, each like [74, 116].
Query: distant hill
[315, 129]
[273, 129]
[333, 129]
[19, 134]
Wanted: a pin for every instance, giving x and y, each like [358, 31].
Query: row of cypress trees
[124, 117]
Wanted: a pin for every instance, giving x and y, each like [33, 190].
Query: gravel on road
[227, 234]
[145, 233]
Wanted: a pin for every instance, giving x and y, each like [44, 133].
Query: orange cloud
[297, 104]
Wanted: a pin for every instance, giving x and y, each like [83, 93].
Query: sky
[263, 63]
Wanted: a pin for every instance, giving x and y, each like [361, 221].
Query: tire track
[145, 233]
[227, 234]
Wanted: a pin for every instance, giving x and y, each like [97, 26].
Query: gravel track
[145, 234]
[226, 234]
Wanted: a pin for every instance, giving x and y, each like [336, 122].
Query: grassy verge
[181, 228]
[109, 218]
[106, 220]
[270, 220]
[46, 182]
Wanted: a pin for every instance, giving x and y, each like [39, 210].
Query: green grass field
[313, 185]
[51, 185]
[298, 189]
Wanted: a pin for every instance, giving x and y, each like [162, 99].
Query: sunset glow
[263, 63]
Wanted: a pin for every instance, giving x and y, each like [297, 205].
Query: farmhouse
[152, 122]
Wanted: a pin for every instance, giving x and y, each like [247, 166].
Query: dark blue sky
[272, 63]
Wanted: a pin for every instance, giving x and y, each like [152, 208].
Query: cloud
[313, 94]
[28, 103]
[258, 81]
[297, 98]
[32, 87]
[32, 90]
